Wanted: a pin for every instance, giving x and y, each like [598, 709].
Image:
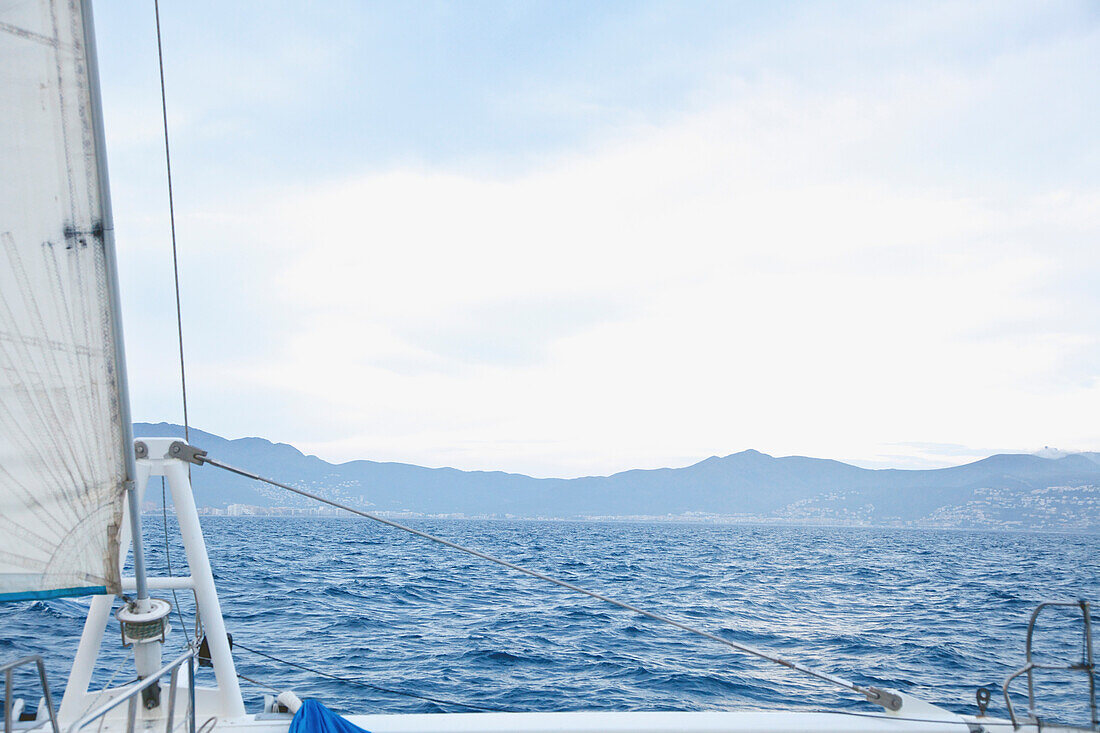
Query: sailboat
[72, 477]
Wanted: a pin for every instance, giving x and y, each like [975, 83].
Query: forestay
[62, 459]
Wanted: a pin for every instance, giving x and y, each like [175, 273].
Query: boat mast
[108, 236]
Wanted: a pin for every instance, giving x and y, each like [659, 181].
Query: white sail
[62, 437]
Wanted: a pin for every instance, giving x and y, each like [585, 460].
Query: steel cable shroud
[873, 694]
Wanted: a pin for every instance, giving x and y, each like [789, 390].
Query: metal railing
[132, 693]
[1085, 665]
[9, 702]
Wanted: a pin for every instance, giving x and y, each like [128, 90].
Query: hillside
[1006, 490]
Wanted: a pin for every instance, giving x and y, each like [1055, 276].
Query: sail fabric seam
[28, 35]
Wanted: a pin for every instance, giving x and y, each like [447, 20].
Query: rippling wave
[932, 613]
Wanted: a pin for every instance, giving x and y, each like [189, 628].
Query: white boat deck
[590, 722]
[916, 716]
[633, 722]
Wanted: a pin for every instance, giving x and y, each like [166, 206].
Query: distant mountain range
[1003, 491]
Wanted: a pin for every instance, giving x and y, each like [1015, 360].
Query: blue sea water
[932, 613]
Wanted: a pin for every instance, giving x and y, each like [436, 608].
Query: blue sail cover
[313, 717]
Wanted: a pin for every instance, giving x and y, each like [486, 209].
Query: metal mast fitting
[145, 630]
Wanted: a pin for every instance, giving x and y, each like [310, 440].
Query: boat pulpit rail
[1086, 665]
[131, 694]
[9, 702]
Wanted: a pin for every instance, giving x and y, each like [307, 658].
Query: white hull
[605, 722]
[641, 722]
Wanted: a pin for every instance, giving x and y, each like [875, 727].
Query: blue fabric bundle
[313, 717]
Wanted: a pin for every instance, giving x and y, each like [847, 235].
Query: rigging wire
[359, 683]
[873, 694]
[981, 721]
[168, 560]
[107, 687]
[261, 685]
[172, 221]
[179, 316]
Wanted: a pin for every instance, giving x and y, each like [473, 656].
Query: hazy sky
[573, 238]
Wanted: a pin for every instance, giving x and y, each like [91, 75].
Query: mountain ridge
[1013, 489]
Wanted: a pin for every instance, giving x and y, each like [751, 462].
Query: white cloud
[690, 290]
[793, 270]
